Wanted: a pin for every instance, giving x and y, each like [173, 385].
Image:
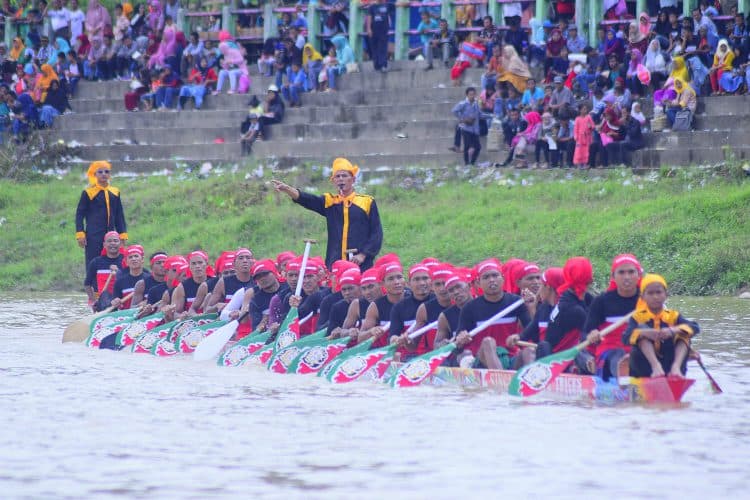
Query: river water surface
[82, 423]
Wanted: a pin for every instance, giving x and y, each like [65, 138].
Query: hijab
[555, 46]
[636, 58]
[16, 53]
[85, 46]
[644, 24]
[344, 52]
[57, 97]
[62, 46]
[97, 16]
[314, 57]
[167, 48]
[634, 33]
[532, 118]
[723, 58]
[512, 63]
[47, 76]
[613, 46]
[679, 70]
[654, 59]
[637, 113]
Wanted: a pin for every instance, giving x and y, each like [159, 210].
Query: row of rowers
[386, 303]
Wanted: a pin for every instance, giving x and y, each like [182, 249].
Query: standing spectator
[445, 42]
[515, 36]
[59, 18]
[122, 24]
[377, 24]
[73, 73]
[138, 21]
[97, 20]
[425, 28]
[99, 211]
[76, 19]
[468, 115]
[563, 155]
[583, 134]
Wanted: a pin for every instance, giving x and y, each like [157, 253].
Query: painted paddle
[212, 345]
[313, 358]
[282, 358]
[714, 386]
[241, 351]
[534, 377]
[79, 330]
[418, 369]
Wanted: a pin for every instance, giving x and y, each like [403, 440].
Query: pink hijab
[155, 18]
[167, 48]
[232, 54]
[97, 18]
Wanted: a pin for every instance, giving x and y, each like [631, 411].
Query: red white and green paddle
[534, 377]
[418, 369]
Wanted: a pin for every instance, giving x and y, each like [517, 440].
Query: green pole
[355, 28]
[583, 27]
[742, 6]
[640, 6]
[400, 36]
[493, 9]
[686, 8]
[541, 10]
[313, 24]
[227, 21]
[595, 16]
[448, 13]
[270, 29]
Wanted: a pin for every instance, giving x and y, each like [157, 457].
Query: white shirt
[76, 24]
[234, 304]
[59, 19]
[512, 9]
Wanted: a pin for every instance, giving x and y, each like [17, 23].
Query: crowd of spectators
[539, 85]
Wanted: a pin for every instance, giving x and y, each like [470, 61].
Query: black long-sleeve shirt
[353, 222]
[97, 216]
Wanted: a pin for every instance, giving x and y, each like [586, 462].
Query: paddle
[534, 377]
[79, 330]
[212, 345]
[714, 386]
[356, 361]
[418, 369]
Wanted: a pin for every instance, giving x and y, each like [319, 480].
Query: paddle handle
[714, 386]
[423, 330]
[305, 256]
[611, 328]
[484, 324]
[124, 299]
[523, 343]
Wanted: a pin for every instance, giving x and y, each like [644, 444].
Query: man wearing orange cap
[352, 219]
[99, 211]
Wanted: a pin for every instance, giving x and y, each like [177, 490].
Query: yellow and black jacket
[644, 318]
[101, 208]
[353, 222]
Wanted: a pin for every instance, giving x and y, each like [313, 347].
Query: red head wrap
[294, 264]
[159, 257]
[418, 268]
[110, 233]
[553, 277]
[350, 277]
[263, 266]
[372, 275]
[578, 275]
[430, 262]
[487, 265]
[523, 271]
[624, 258]
[441, 272]
[509, 272]
[385, 270]
[134, 249]
[198, 253]
[339, 266]
[284, 256]
[454, 279]
[388, 258]
[242, 251]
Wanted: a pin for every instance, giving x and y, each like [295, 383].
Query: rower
[528, 280]
[482, 351]
[535, 331]
[568, 317]
[459, 290]
[226, 286]
[350, 289]
[371, 291]
[429, 311]
[337, 269]
[404, 313]
[619, 299]
[125, 281]
[186, 293]
[379, 312]
[308, 304]
[155, 278]
[101, 267]
[659, 337]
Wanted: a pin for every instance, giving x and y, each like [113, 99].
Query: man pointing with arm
[352, 219]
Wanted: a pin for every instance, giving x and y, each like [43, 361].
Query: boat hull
[570, 386]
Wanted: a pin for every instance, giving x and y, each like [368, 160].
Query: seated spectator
[489, 36]
[636, 38]
[686, 99]
[43, 82]
[622, 95]
[199, 82]
[637, 113]
[562, 156]
[554, 49]
[312, 64]
[55, 104]
[273, 111]
[295, 85]
[425, 28]
[444, 41]
[26, 117]
[723, 62]
[614, 46]
[667, 93]
[538, 45]
[72, 74]
[61, 69]
[732, 82]
[575, 43]
[233, 66]
[167, 50]
[515, 71]
[155, 16]
[192, 54]
[138, 88]
[533, 96]
[138, 21]
[630, 129]
[655, 63]
[330, 63]
[344, 56]
[19, 53]
[166, 88]
[515, 36]
[125, 62]
[90, 65]
[522, 138]
[44, 51]
[487, 99]
[106, 65]
[249, 132]
[547, 137]
[635, 73]
[494, 67]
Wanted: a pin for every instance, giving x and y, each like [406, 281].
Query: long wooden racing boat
[569, 386]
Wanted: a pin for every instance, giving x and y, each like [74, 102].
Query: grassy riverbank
[691, 225]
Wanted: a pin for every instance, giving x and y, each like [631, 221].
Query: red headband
[418, 268]
[134, 249]
[387, 269]
[158, 258]
[350, 277]
[487, 265]
[263, 266]
[242, 251]
[524, 271]
[454, 279]
[370, 276]
[441, 272]
[111, 233]
[553, 277]
[624, 258]
[198, 253]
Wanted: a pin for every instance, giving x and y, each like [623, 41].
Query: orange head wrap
[340, 164]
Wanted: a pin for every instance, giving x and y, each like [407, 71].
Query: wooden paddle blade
[714, 386]
[534, 377]
[78, 331]
[213, 344]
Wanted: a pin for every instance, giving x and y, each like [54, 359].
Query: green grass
[691, 225]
